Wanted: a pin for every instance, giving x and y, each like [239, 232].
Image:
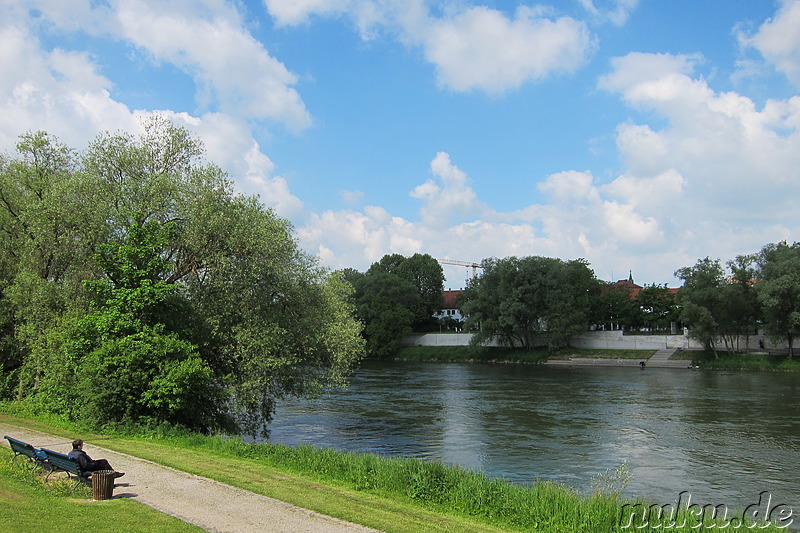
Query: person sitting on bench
[88, 464]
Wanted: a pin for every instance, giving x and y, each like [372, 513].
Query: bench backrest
[63, 462]
[23, 448]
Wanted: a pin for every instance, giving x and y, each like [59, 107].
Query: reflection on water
[723, 436]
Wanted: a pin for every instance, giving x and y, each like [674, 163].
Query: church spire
[630, 276]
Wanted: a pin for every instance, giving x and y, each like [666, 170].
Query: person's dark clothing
[88, 464]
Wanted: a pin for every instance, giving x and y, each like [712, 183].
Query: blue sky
[640, 135]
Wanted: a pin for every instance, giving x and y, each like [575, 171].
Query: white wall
[608, 340]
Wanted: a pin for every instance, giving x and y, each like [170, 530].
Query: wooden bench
[37, 457]
[65, 463]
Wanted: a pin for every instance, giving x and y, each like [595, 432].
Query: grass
[390, 494]
[28, 504]
[596, 353]
[741, 361]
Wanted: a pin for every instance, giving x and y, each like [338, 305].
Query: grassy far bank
[470, 354]
[393, 495]
[742, 361]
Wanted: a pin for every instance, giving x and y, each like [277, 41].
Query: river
[724, 437]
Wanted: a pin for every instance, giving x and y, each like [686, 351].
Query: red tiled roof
[633, 289]
[628, 286]
[449, 299]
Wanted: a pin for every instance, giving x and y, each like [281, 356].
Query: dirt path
[201, 501]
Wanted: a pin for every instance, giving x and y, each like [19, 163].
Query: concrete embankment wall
[606, 340]
[615, 340]
[438, 339]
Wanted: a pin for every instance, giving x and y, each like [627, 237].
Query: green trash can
[103, 484]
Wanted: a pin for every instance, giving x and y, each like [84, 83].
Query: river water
[724, 437]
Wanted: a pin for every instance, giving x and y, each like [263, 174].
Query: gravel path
[201, 501]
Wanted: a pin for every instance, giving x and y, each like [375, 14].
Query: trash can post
[103, 484]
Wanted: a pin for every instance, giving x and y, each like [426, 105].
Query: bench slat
[65, 463]
[23, 448]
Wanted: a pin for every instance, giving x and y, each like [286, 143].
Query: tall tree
[523, 302]
[778, 290]
[184, 273]
[701, 301]
[386, 303]
[615, 307]
[44, 250]
[427, 277]
[657, 307]
[743, 310]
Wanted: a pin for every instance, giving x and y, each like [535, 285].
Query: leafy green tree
[657, 307]
[146, 266]
[427, 277]
[778, 290]
[615, 307]
[742, 308]
[43, 251]
[136, 370]
[385, 302]
[523, 302]
[719, 304]
[702, 302]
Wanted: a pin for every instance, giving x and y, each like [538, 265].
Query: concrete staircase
[661, 359]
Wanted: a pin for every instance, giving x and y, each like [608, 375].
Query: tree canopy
[778, 289]
[395, 296]
[755, 291]
[528, 301]
[136, 285]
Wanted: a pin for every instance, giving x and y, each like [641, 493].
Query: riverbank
[500, 355]
[393, 495]
[739, 361]
[591, 356]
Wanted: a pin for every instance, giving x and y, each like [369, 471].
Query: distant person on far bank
[88, 464]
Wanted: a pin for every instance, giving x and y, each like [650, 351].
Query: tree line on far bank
[521, 302]
[724, 304]
[540, 301]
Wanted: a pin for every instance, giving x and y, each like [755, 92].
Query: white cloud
[471, 47]
[637, 69]
[653, 195]
[570, 187]
[617, 12]
[236, 69]
[719, 177]
[723, 146]
[352, 197]
[58, 91]
[230, 145]
[289, 12]
[778, 40]
[716, 174]
[630, 227]
[206, 39]
[356, 239]
[481, 48]
[453, 199]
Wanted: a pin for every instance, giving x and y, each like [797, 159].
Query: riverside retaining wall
[606, 340]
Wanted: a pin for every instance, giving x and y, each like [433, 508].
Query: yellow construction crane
[468, 264]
